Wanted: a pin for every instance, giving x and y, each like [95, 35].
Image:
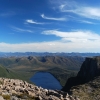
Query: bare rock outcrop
[15, 89]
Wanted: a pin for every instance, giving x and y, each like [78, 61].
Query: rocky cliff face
[11, 89]
[89, 69]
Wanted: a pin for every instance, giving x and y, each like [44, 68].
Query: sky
[49, 25]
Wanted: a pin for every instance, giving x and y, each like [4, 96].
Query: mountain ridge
[64, 54]
[60, 67]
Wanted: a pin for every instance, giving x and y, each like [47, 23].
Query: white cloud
[78, 8]
[75, 41]
[86, 21]
[53, 46]
[89, 12]
[52, 18]
[21, 30]
[81, 10]
[33, 22]
[74, 35]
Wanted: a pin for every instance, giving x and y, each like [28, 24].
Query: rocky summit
[15, 89]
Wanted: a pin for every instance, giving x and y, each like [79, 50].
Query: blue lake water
[46, 80]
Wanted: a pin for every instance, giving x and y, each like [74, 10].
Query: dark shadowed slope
[89, 70]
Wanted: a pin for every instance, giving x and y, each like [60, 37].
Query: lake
[46, 80]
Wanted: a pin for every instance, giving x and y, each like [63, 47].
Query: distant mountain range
[23, 54]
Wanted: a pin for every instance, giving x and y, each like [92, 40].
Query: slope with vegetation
[61, 67]
[6, 72]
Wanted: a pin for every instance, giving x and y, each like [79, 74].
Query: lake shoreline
[46, 77]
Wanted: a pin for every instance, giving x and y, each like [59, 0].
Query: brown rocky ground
[15, 89]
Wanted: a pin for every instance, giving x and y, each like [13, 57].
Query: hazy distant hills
[61, 67]
[21, 54]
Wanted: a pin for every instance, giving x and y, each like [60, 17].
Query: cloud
[89, 12]
[52, 18]
[78, 8]
[32, 22]
[73, 41]
[87, 22]
[81, 10]
[53, 46]
[74, 35]
[21, 30]
[80, 20]
[77, 41]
